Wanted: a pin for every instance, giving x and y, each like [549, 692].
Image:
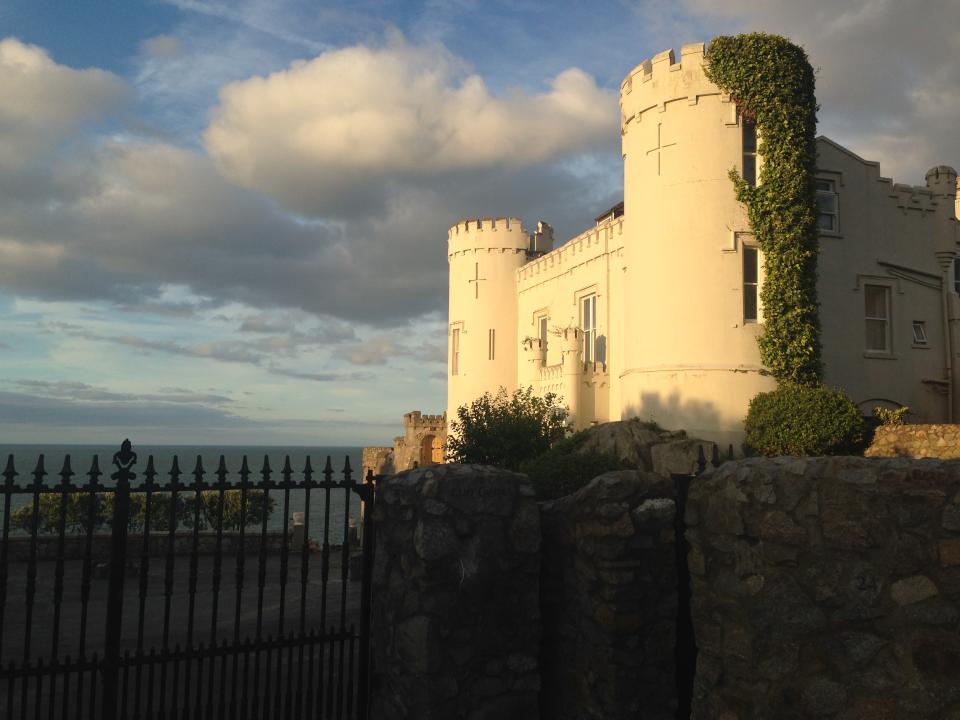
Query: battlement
[479, 225]
[417, 419]
[942, 179]
[589, 245]
[664, 64]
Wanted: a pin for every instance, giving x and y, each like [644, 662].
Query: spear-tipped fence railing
[116, 599]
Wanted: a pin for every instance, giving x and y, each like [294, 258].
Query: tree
[506, 430]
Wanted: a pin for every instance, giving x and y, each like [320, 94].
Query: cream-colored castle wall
[491, 249]
[555, 285]
[691, 361]
[668, 278]
[887, 235]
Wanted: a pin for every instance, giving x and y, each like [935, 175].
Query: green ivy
[771, 80]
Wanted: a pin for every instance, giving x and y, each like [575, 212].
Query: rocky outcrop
[646, 447]
[916, 441]
[609, 600]
[826, 587]
[456, 619]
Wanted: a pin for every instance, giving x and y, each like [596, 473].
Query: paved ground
[288, 669]
[42, 622]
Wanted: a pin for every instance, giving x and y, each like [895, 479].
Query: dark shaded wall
[456, 618]
[609, 600]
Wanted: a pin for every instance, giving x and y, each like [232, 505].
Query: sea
[81, 456]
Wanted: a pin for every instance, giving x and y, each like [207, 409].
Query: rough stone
[912, 589]
[455, 617]
[837, 596]
[609, 600]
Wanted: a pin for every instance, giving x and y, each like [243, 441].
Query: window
[542, 334]
[877, 314]
[455, 352]
[956, 275]
[749, 150]
[827, 218]
[491, 343]
[751, 272]
[919, 332]
[588, 323]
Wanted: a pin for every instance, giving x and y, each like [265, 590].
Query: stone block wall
[456, 619]
[609, 600]
[826, 587]
[916, 441]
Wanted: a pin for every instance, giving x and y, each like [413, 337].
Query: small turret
[942, 180]
[541, 241]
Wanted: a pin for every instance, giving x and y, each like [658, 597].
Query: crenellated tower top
[661, 80]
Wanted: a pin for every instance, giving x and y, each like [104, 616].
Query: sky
[224, 221]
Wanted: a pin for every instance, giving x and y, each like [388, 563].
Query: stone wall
[609, 600]
[916, 441]
[826, 587]
[378, 460]
[456, 620]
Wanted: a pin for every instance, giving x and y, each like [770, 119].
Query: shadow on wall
[695, 416]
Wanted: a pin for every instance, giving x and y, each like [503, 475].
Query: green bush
[885, 416]
[563, 470]
[506, 431]
[802, 420]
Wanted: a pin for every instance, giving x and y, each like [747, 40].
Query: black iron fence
[172, 599]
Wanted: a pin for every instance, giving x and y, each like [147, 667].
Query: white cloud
[161, 46]
[888, 72]
[317, 135]
[44, 101]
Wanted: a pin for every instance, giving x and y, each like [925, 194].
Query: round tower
[482, 333]
[692, 272]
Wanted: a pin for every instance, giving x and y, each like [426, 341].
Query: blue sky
[224, 221]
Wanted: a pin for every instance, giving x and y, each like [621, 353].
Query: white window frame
[744, 125]
[744, 247]
[828, 191]
[920, 332]
[888, 325]
[543, 333]
[588, 324]
[455, 351]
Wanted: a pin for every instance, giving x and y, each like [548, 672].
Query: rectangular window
[751, 273]
[749, 150]
[956, 275]
[491, 343]
[588, 323]
[542, 334]
[827, 206]
[919, 332]
[877, 315]
[455, 352]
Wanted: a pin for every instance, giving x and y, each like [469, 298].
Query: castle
[653, 311]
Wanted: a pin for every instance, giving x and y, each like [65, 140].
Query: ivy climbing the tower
[772, 82]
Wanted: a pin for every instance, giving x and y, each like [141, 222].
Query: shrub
[886, 416]
[802, 420]
[563, 469]
[506, 430]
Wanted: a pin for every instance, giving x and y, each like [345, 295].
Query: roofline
[847, 151]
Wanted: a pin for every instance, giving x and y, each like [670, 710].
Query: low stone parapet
[916, 441]
[826, 587]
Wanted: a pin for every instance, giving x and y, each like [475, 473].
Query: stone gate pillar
[456, 619]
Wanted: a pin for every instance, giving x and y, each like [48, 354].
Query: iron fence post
[110, 667]
[367, 493]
